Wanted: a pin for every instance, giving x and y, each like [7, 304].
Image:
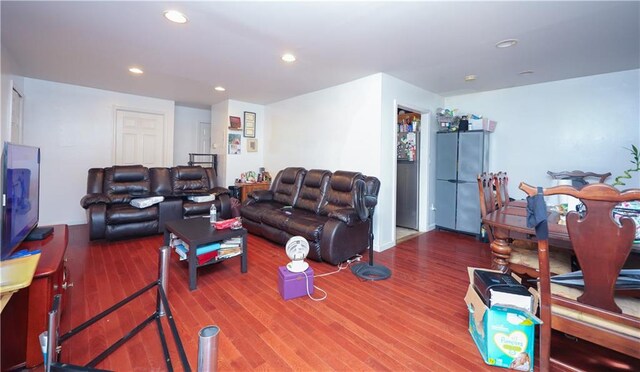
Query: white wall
[74, 127]
[231, 166]
[186, 132]
[576, 124]
[396, 93]
[9, 78]
[246, 161]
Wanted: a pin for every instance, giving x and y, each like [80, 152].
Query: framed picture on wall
[252, 145]
[234, 144]
[235, 123]
[250, 124]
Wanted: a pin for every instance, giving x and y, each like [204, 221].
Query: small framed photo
[249, 124]
[252, 145]
[235, 123]
[234, 144]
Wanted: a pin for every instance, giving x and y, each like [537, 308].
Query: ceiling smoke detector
[506, 43]
[470, 78]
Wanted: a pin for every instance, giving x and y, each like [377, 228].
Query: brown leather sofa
[331, 210]
[110, 191]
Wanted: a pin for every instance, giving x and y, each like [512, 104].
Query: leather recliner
[110, 191]
[330, 210]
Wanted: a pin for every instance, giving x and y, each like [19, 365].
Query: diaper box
[504, 335]
[293, 285]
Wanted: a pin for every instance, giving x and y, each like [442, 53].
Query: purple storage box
[292, 285]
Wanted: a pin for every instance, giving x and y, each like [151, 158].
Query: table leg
[193, 268]
[501, 252]
[243, 257]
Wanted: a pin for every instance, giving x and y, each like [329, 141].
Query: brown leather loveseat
[110, 191]
[331, 210]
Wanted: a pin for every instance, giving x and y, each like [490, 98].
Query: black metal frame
[162, 309]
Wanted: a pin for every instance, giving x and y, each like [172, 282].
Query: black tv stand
[39, 233]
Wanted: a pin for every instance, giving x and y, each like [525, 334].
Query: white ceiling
[238, 45]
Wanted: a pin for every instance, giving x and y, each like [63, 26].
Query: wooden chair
[523, 259]
[487, 198]
[601, 245]
[501, 183]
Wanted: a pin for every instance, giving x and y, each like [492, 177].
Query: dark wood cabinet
[25, 315]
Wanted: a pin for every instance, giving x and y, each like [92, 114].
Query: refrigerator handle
[452, 181]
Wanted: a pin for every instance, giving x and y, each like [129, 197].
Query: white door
[16, 116]
[204, 138]
[139, 138]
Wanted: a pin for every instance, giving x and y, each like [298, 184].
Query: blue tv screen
[20, 194]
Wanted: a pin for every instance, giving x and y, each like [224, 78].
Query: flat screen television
[20, 194]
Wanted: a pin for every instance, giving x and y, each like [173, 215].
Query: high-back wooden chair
[601, 245]
[487, 198]
[501, 182]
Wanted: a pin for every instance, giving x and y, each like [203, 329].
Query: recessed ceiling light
[175, 16]
[470, 78]
[136, 70]
[288, 57]
[219, 89]
[506, 43]
[526, 72]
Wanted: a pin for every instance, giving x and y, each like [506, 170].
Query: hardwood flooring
[416, 320]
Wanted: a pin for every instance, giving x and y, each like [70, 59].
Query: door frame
[167, 151]
[425, 165]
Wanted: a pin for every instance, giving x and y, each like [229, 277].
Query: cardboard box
[484, 124]
[293, 285]
[504, 335]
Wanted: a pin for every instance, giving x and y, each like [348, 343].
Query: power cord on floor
[340, 268]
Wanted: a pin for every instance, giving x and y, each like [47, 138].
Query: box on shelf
[293, 285]
[504, 335]
[483, 123]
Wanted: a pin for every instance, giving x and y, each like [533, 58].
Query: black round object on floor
[370, 271]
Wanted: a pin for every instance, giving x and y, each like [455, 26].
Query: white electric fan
[297, 249]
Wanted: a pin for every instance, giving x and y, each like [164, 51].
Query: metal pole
[163, 276]
[208, 349]
[52, 334]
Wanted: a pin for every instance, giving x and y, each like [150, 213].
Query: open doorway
[409, 166]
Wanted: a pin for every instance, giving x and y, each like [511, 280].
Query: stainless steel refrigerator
[408, 177]
[460, 157]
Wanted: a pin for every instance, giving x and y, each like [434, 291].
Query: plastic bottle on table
[212, 213]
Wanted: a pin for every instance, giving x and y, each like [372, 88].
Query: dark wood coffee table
[197, 232]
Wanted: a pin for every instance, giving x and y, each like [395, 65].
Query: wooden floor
[416, 320]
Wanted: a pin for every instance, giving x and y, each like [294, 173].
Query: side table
[198, 232]
[247, 188]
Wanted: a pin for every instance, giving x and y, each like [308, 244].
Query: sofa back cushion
[313, 192]
[160, 181]
[189, 180]
[342, 191]
[125, 182]
[286, 185]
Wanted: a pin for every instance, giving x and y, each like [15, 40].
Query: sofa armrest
[91, 199]
[347, 215]
[96, 218]
[217, 191]
[261, 195]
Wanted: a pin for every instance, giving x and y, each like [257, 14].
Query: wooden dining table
[510, 222]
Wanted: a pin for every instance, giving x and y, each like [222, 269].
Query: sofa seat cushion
[119, 214]
[276, 218]
[255, 211]
[305, 224]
